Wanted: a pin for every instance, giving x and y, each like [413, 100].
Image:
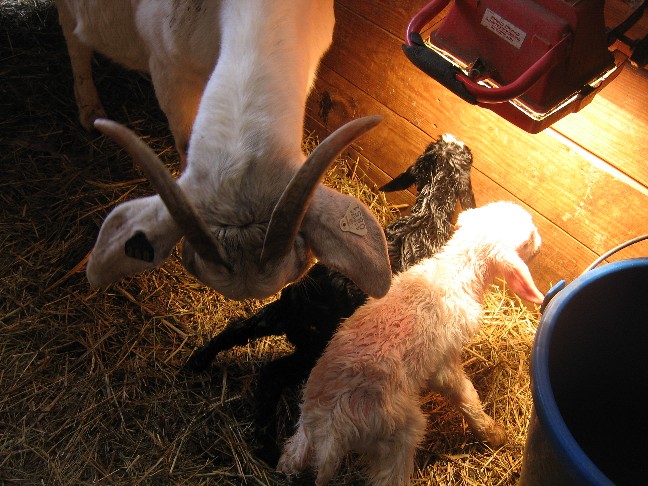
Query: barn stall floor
[91, 381]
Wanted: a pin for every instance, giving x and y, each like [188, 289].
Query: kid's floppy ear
[345, 235]
[518, 277]
[400, 182]
[136, 235]
[466, 195]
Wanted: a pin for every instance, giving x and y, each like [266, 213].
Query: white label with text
[353, 221]
[503, 28]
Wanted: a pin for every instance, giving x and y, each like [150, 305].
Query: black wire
[618, 31]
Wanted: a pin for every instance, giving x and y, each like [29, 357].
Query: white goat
[251, 208]
[363, 393]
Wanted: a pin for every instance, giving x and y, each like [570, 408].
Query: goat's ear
[400, 182]
[518, 277]
[344, 235]
[136, 235]
[466, 195]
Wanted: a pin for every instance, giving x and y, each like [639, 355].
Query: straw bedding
[92, 388]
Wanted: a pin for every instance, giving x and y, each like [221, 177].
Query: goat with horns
[232, 76]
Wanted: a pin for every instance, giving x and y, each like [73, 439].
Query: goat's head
[443, 166]
[504, 237]
[304, 222]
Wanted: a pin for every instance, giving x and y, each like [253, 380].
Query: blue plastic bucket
[589, 381]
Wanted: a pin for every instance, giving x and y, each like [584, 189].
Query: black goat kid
[309, 311]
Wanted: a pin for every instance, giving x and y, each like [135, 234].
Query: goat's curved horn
[182, 211]
[291, 208]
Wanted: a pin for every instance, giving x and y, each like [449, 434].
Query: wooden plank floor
[585, 179]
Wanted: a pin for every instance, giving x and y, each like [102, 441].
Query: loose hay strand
[91, 381]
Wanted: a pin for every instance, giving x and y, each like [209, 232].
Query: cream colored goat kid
[363, 394]
[232, 76]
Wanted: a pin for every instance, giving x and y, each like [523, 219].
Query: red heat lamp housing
[530, 61]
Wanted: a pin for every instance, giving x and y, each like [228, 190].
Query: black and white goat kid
[310, 310]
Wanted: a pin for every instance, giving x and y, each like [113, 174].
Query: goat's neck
[474, 269]
[253, 104]
[438, 200]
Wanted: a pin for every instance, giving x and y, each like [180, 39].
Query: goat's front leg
[238, 332]
[458, 388]
[179, 95]
[285, 373]
[85, 92]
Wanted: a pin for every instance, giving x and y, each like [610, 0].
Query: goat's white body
[176, 43]
[363, 394]
[232, 76]
[255, 70]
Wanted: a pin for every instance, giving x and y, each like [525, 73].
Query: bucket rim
[559, 436]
